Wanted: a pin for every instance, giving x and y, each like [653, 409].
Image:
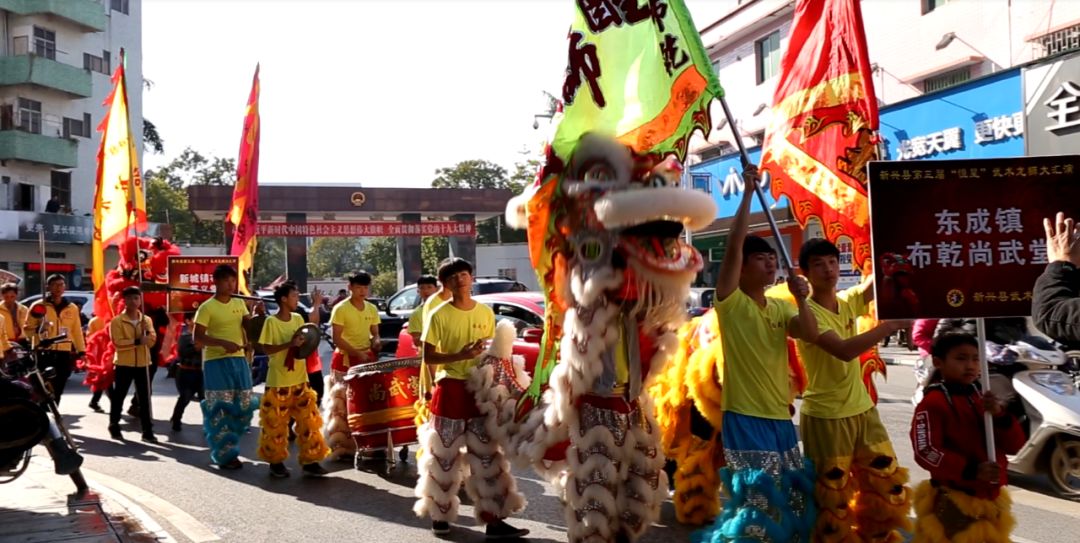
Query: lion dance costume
[494, 384]
[617, 284]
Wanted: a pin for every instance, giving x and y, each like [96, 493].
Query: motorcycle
[1038, 382]
[26, 403]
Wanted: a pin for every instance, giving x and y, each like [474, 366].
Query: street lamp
[948, 38]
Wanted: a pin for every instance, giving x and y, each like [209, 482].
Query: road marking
[183, 522]
[1044, 502]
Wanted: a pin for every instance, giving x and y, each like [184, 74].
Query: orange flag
[119, 198]
[824, 122]
[244, 213]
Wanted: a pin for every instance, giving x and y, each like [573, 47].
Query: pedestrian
[770, 485]
[288, 396]
[14, 313]
[56, 316]
[355, 325]
[132, 334]
[861, 489]
[189, 374]
[53, 205]
[964, 501]
[230, 402]
[453, 342]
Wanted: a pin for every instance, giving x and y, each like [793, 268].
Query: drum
[380, 402]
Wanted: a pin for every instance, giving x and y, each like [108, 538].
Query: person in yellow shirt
[842, 433]
[229, 401]
[453, 340]
[13, 312]
[288, 396]
[3, 337]
[132, 334]
[760, 444]
[432, 301]
[426, 286]
[61, 317]
[355, 325]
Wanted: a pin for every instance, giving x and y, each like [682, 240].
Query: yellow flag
[120, 198]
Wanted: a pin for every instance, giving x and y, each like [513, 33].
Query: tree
[151, 137]
[269, 260]
[334, 257]
[166, 195]
[381, 255]
[432, 251]
[384, 284]
[482, 174]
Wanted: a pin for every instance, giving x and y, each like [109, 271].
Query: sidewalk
[41, 506]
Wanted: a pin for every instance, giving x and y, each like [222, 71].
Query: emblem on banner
[358, 199]
[955, 298]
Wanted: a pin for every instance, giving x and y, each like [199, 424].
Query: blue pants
[770, 487]
[228, 406]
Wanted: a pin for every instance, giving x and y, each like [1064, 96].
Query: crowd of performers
[724, 405]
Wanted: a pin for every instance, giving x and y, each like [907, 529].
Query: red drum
[381, 398]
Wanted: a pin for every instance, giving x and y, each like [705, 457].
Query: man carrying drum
[355, 325]
[453, 340]
[288, 395]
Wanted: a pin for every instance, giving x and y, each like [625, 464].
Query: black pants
[125, 376]
[62, 362]
[315, 381]
[189, 386]
[135, 399]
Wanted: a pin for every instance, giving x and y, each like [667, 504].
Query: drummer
[288, 395]
[356, 326]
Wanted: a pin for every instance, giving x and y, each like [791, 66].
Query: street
[174, 484]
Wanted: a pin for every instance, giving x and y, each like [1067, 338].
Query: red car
[524, 309]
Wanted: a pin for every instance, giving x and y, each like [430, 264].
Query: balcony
[87, 14]
[38, 148]
[43, 72]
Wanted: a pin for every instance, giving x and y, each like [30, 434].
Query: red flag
[243, 214]
[824, 122]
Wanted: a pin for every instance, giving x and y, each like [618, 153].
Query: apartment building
[56, 62]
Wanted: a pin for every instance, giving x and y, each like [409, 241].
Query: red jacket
[947, 435]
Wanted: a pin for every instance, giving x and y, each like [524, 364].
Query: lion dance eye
[600, 171]
[656, 181]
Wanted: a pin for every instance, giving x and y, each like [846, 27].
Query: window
[701, 182]
[44, 43]
[23, 199]
[77, 127]
[120, 5]
[767, 50]
[95, 63]
[948, 79]
[30, 115]
[1059, 41]
[61, 186]
[931, 5]
[408, 299]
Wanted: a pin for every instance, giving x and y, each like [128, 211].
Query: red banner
[245, 203]
[964, 238]
[193, 272]
[368, 228]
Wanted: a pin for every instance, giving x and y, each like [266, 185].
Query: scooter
[1040, 384]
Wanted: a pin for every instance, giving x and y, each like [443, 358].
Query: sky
[366, 92]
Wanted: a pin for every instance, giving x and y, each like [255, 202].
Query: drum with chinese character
[380, 403]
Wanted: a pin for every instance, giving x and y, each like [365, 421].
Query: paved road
[174, 484]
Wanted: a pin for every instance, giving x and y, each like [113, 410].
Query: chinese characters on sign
[999, 128]
[371, 228]
[931, 144]
[964, 238]
[193, 272]
[1065, 107]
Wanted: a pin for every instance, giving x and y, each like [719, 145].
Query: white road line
[1016, 539]
[1044, 502]
[183, 522]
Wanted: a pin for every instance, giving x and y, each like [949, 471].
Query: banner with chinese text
[367, 228]
[964, 238]
[193, 272]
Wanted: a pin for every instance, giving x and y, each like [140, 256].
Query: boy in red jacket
[965, 499]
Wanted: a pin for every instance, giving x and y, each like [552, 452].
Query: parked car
[397, 309]
[525, 310]
[700, 300]
[82, 298]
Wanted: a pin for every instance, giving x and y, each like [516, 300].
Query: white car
[82, 298]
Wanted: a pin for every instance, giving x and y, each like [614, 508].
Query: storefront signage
[999, 128]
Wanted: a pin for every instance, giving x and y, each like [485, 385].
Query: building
[56, 62]
[947, 75]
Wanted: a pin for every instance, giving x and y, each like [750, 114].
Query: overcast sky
[371, 92]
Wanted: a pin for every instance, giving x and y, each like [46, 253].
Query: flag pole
[984, 379]
[760, 194]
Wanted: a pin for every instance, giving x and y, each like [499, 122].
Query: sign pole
[984, 379]
[760, 194]
[41, 251]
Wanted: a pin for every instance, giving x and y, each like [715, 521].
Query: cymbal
[311, 336]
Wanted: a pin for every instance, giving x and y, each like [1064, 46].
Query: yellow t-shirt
[277, 332]
[450, 329]
[356, 323]
[3, 335]
[755, 355]
[835, 389]
[222, 321]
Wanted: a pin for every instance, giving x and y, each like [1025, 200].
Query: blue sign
[980, 119]
[726, 183]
